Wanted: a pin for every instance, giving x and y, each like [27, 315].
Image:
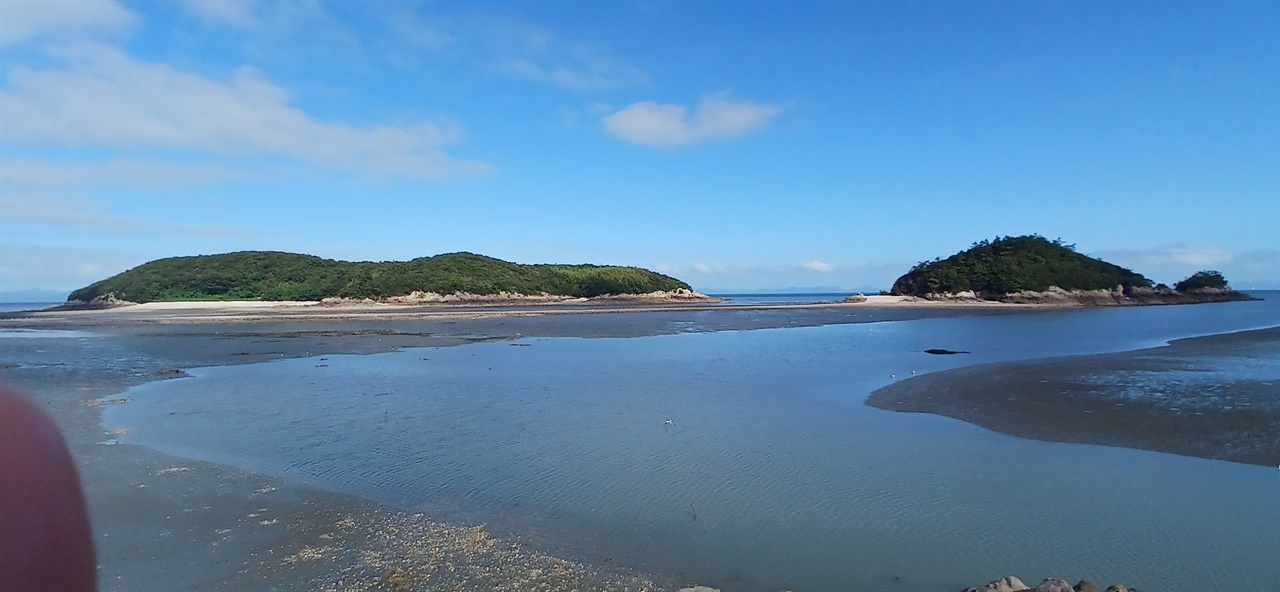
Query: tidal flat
[551, 465]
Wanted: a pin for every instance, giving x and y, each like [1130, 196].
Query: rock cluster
[1056, 295]
[678, 295]
[1114, 296]
[1013, 584]
[416, 297]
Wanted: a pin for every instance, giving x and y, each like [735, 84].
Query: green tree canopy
[264, 275]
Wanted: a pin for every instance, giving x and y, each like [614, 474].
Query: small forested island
[276, 276]
[1033, 269]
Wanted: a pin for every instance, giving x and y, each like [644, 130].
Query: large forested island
[1034, 269]
[264, 275]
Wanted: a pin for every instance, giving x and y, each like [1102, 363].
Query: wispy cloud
[104, 98]
[32, 20]
[1171, 263]
[669, 125]
[1177, 256]
[407, 29]
[818, 266]
[533, 53]
[696, 268]
[86, 214]
[26, 175]
[234, 13]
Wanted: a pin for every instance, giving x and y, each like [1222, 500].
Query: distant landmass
[266, 275]
[1034, 269]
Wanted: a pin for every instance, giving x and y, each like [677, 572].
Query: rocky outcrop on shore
[107, 300]
[1013, 584]
[1117, 296]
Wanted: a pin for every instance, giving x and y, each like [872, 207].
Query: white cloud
[104, 98]
[27, 20]
[818, 266]
[668, 125]
[236, 13]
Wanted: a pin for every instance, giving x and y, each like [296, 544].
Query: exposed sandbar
[1166, 399]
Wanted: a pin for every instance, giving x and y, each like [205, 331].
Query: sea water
[747, 460]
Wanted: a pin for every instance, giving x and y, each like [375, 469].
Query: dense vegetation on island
[1201, 280]
[1011, 264]
[259, 275]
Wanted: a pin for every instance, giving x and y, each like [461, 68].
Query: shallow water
[772, 473]
[43, 334]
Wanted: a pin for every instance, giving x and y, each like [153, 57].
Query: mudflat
[1193, 397]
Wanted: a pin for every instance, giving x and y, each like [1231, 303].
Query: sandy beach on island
[163, 522]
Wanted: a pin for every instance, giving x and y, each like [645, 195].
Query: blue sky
[737, 146]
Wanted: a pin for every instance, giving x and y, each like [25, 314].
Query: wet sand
[1164, 399]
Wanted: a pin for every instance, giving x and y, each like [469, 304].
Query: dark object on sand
[943, 352]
